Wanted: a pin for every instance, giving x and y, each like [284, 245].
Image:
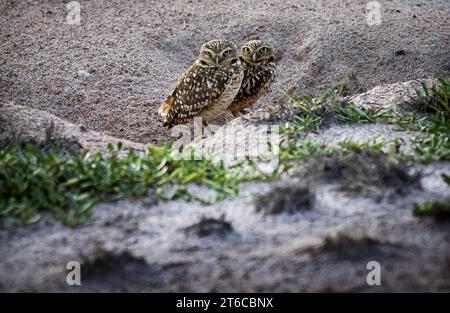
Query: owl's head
[217, 53]
[256, 52]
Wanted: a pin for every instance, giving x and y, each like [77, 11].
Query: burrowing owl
[207, 88]
[259, 73]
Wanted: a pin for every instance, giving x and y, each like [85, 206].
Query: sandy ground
[310, 231]
[135, 51]
[325, 245]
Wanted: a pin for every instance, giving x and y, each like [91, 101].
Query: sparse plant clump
[437, 209]
[432, 147]
[350, 112]
[314, 112]
[433, 143]
[346, 146]
[435, 98]
[360, 167]
[33, 181]
[294, 150]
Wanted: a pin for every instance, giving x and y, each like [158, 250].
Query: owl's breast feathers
[198, 88]
[256, 81]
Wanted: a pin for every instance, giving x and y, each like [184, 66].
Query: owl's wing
[251, 90]
[195, 90]
[243, 102]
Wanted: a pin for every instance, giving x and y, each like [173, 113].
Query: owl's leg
[207, 130]
[239, 113]
[235, 113]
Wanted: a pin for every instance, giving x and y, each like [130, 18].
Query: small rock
[85, 75]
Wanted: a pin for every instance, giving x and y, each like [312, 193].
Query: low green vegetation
[433, 143]
[32, 180]
[438, 209]
[313, 110]
[35, 180]
[432, 124]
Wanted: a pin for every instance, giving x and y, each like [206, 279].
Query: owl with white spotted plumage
[259, 73]
[208, 86]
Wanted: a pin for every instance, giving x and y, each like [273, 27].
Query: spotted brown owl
[208, 86]
[259, 72]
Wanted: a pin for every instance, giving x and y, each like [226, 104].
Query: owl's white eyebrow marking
[209, 50]
[226, 49]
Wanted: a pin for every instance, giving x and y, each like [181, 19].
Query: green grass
[300, 124]
[293, 151]
[431, 147]
[312, 109]
[353, 113]
[436, 97]
[33, 181]
[365, 115]
[433, 143]
[372, 145]
[437, 209]
[301, 149]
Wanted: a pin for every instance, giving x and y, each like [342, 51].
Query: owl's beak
[217, 60]
[254, 57]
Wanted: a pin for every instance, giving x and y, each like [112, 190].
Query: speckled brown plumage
[259, 73]
[207, 88]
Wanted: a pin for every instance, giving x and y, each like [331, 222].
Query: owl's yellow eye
[246, 49]
[264, 49]
[208, 53]
[226, 52]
